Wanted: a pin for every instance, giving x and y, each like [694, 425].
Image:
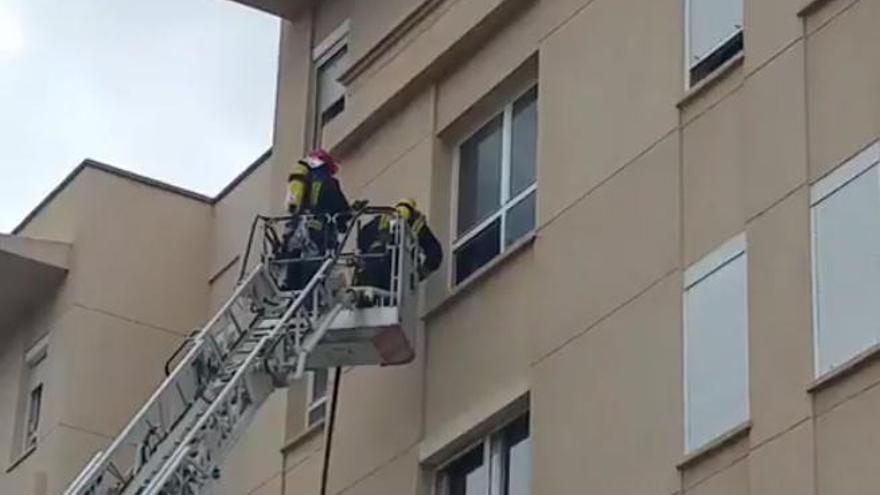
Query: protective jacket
[378, 233]
[314, 191]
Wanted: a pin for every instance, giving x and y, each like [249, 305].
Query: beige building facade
[661, 271]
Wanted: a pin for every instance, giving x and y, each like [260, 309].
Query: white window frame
[31, 437]
[507, 202]
[331, 44]
[313, 403]
[724, 255]
[34, 357]
[690, 64]
[328, 48]
[493, 446]
[824, 188]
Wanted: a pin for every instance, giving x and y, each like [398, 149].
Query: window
[317, 390]
[716, 344]
[33, 394]
[714, 35]
[499, 465]
[496, 186]
[331, 93]
[331, 60]
[846, 260]
[35, 404]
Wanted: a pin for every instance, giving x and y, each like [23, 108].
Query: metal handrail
[179, 349]
[270, 220]
[110, 462]
[337, 255]
[237, 377]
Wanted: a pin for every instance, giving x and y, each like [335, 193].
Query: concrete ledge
[303, 438]
[811, 7]
[478, 421]
[461, 29]
[31, 270]
[51, 253]
[846, 369]
[389, 41]
[453, 295]
[710, 449]
[711, 80]
[21, 458]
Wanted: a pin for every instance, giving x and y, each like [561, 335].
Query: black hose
[337, 382]
[247, 251]
[331, 423]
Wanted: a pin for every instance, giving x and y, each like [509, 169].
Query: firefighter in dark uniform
[321, 212]
[377, 235]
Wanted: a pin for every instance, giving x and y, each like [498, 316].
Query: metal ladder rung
[266, 324]
[251, 346]
[242, 352]
[254, 337]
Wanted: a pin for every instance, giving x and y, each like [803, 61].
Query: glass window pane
[36, 400]
[330, 90]
[847, 250]
[468, 475]
[524, 147]
[717, 353]
[707, 65]
[330, 113]
[520, 220]
[317, 414]
[479, 177]
[711, 23]
[518, 458]
[319, 384]
[478, 251]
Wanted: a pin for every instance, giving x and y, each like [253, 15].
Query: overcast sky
[179, 90]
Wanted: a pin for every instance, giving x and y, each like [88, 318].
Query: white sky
[179, 90]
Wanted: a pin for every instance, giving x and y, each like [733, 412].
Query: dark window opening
[317, 414]
[716, 59]
[336, 108]
[479, 194]
[478, 251]
[517, 458]
[468, 475]
[520, 220]
[35, 404]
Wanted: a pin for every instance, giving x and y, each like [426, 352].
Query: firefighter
[376, 236]
[320, 210]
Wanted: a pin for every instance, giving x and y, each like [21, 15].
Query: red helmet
[320, 157]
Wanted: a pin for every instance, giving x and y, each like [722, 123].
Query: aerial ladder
[263, 338]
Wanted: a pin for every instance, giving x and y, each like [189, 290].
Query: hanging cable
[331, 423]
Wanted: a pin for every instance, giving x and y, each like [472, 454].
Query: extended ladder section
[270, 331]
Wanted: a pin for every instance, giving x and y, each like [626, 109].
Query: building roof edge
[141, 179]
[242, 176]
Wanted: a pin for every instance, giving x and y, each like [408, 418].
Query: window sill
[710, 449]
[711, 80]
[304, 437]
[396, 35]
[475, 278]
[811, 7]
[846, 369]
[21, 458]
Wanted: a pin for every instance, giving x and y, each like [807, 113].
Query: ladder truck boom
[261, 339]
